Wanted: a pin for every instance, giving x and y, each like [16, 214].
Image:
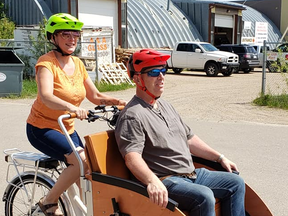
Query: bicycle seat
[49, 163]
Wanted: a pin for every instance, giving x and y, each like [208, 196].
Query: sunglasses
[66, 35]
[156, 72]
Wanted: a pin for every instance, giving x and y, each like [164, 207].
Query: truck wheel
[247, 70]
[177, 70]
[211, 69]
[236, 70]
[272, 67]
[227, 73]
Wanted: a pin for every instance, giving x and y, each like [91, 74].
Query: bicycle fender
[17, 179]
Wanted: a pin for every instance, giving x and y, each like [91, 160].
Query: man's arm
[199, 148]
[158, 193]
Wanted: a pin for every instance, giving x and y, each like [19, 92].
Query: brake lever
[92, 117]
[100, 107]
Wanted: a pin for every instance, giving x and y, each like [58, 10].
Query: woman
[63, 83]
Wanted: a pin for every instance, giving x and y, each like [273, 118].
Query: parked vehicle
[278, 58]
[260, 49]
[201, 56]
[248, 57]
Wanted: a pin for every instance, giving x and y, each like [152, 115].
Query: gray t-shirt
[160, 136]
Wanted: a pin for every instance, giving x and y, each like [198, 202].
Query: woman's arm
[96, 97]
[45, 83]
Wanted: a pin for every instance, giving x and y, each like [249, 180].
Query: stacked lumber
[123, 55]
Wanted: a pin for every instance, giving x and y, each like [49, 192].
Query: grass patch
[104, 87]
[276, 101]
[29, 89]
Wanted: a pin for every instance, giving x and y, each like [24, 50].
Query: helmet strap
[143, 88]
[58, 49]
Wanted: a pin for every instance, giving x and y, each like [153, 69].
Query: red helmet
[145, 58]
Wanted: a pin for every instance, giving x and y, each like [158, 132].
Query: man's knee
[239, 184]
[206, 204]
[208, 199]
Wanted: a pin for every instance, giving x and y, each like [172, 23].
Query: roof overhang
[228, 6]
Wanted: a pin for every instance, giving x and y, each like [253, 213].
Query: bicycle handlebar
[100, 109]
[91, 117]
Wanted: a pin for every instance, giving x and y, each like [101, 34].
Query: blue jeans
[52, 142]
[197, 195]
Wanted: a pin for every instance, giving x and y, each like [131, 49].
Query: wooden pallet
[114, 73]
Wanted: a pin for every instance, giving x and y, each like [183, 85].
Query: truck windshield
[209, 47]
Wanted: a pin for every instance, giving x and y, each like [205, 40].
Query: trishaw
[106, 191]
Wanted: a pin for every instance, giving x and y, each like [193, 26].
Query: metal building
[157, 24]
[223, 21]
[31, 12]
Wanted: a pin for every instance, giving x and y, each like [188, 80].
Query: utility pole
[168, 5]
[284, 34]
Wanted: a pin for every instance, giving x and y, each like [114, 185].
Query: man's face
[154, 80]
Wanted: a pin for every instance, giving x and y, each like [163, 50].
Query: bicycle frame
[28, 164]
[85, 185]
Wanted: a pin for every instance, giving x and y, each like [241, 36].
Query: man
[157, 146]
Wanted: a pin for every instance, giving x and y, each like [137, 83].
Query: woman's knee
[72, 159]
[84, 159]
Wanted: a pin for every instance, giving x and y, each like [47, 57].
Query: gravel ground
[197, 96]
[221, 98]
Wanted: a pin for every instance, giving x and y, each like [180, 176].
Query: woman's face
[67, 40]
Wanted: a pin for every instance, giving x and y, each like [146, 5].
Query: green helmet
[62, 21]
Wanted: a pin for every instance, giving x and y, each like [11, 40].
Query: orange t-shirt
[68, 88]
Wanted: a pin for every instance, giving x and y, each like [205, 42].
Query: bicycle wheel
[18, 201]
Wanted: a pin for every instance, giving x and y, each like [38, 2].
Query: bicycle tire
[17, 202]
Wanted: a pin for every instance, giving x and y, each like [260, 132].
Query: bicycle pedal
[38, 212]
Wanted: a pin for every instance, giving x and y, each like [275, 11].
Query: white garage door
[226, 21]
[98, 13]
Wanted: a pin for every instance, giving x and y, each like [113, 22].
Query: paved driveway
[219, 110]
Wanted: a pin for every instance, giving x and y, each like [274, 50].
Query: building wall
[99, 13]
[284, 18]
[198, 14]
[271, 8]
[157, 24]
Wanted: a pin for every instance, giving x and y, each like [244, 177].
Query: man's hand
[158, 193]
[228, 165]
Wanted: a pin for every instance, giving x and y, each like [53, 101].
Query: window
[209, 47]
[183, 47]
[283, 48]
[224, 48]
[238, 49]
[251, 50]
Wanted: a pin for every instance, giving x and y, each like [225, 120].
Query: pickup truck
[260, 49]
[201, 56]
[277, 59]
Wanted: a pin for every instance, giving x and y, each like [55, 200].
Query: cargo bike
[106, 191]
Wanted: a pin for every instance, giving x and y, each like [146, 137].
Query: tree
[6, 25]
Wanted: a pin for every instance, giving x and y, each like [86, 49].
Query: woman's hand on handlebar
[122, 102]
[80, 112]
